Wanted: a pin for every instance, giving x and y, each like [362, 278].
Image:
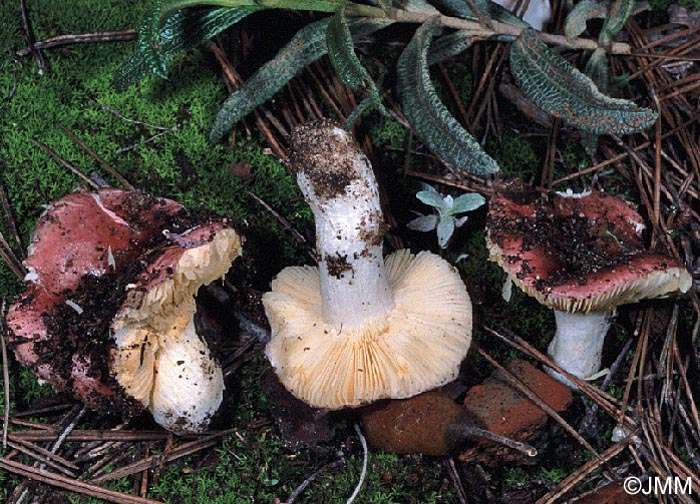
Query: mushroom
[160, 360]
[357, 328]
[94, 255]
[581, 255]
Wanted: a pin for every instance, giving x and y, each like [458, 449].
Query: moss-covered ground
[156, 135]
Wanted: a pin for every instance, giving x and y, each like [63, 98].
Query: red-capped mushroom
[581, 255]
[94, 255]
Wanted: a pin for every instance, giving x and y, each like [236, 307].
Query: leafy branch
[446, 28]
[475, 29]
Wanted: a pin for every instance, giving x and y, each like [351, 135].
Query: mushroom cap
[79, 235]
[159, 359]
[83, 232]
[27, 327]
[108, 251]
[418, 346]
[577, 252]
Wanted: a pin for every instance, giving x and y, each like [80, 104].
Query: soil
[572, 236]
[326, 159]
[87, 334]
[85, 331]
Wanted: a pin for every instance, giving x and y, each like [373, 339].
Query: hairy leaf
[149, 41]
[431, 198]
[314, 5]
[180, 31]
[620, 11]
[365, 105]
[488, 8]
[447, 46]
[598, 70]
[416, 6]
[561, 90]
[341, 52]
[430, 119]
[423, 223]
[575, 23]
[467, 202]
[307, 45]
[445, 229]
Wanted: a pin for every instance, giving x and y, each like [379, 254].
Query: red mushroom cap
[577, 253]
[85, 249]
[76, 233]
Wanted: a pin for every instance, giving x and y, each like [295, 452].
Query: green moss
[388, 133]
[155, 133]
[518, 156]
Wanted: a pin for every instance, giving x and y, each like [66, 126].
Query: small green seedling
[445, 221]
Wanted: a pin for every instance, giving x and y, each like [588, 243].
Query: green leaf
[445, 229]
[575, 23]
[180, 31]
[488, 8]
[366, 104]
[447, 46]
[149, 41]
[307, 45]
[341, 51]
[313, 5]
[430, 119]
[620, 11]
[467, 203]
[561, 90]
[423, 223]
[416, 6]
[431, 198]
[598, 70]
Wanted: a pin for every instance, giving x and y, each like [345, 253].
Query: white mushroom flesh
[577, 346]
[160, 359]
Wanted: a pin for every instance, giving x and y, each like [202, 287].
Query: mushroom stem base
[577, 345]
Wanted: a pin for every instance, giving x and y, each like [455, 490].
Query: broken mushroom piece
[159, 359]
[92, 233]
[58, 327]
[581, 255]
[94, 255]
[357, 329]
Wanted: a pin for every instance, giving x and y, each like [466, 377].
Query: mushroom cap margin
[160, 360]
[418, 346]
[643, 276]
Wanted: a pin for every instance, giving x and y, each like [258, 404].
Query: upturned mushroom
[357, 328]
[106, 269]
[581, 255]
[160, 360]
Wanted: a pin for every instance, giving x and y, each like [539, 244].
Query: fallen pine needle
[71, 484]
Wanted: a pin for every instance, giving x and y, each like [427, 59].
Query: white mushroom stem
[339, 186]
[577, 345]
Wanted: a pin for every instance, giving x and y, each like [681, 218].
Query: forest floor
[62, 126]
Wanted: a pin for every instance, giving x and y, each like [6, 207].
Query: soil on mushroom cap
[574, 244]
[86, 334]
[86, 331]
